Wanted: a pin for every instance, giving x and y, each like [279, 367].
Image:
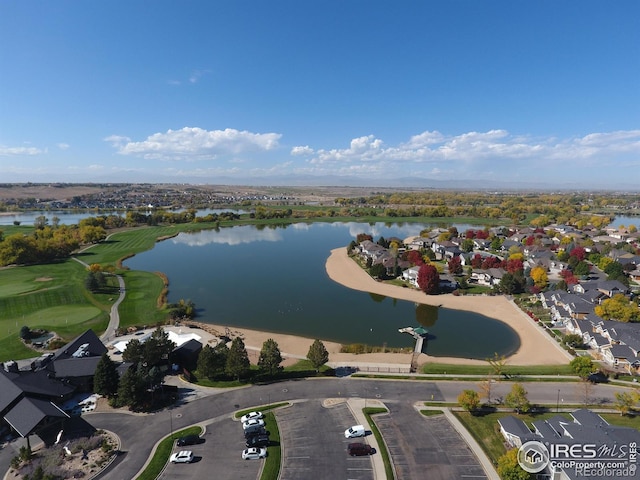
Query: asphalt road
[139, 433]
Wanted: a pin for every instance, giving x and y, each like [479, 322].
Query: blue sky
[265, 92]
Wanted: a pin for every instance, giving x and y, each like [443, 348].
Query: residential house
[584, 426]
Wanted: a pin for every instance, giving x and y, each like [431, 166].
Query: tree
[377, 270]
[517, 399]
[511, 283]
[428, 279]
[618, 308]
[582, 366]
[157, 348]
[270, 357]
[455, 266]
[486, 386]
[469, 400]
[539, 276]
[573, 340]
[509, 468]
[318, 354]
[133, 352]
[106, 378]
[497, 363]
[212, 360]
[25, 332]
[132, 390]
[238, 359]
[624, 402]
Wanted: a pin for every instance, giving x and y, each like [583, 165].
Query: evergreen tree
[157, 348]
[318, 354]
[270, 357]
[213, 360]
[106, 378]
[132, 390]
[133, 352]
[238, 359]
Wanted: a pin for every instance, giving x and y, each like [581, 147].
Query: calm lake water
[274, 279]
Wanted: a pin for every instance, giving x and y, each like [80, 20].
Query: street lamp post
[558, 401]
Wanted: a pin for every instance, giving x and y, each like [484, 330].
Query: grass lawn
[368, 413]
[271, 467]
[163, 452]
[485, 429]
[140, 304]
[441, 368]
[50, 296]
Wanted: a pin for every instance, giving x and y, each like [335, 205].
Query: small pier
[420, 334]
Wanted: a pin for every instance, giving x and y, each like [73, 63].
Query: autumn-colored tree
[618, 308]
[517, 399]
[583, 366]
[515, 265]
[578, 252]
[624, 402]
[470, 233]
[469, 400]
[414, 257]
[428, 279]
[482, 234]
[539, 276]
[569, 277]
[455, 266]
[476, 261]
[361, 237]
[491, 262]
[509, 468]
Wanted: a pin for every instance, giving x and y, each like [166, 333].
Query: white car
[355, 431]
[253, 423]
[185, 456]
[254, 453]
[251, 416]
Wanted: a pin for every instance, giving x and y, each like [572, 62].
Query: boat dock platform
[420, 334]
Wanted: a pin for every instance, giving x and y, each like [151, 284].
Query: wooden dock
[419, 334]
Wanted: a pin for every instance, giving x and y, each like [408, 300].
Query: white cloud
[63, 146]
[20, 151]
[471, 154]
[306, 150]
[192, 143]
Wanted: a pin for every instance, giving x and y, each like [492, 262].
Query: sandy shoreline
[536, 347]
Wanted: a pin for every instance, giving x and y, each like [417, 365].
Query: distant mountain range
[349, 181]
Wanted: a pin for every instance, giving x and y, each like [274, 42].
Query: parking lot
[218, 457]
[314, 446]
[422, 447]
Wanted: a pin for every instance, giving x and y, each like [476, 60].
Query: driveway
[425, 446]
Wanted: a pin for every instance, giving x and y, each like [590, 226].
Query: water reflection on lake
[274, 279]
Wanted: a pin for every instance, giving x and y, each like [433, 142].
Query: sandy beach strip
[536, 346]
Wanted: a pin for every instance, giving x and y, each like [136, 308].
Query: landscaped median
[382, 447]
[271, 467]
[161, 455]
